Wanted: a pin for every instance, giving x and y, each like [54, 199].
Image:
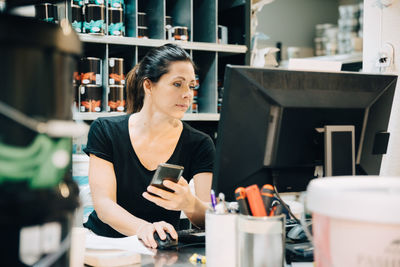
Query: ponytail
[134, 91]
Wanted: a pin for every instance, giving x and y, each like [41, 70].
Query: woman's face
[173, 93]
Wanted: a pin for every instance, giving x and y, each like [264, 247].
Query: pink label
[352, 243]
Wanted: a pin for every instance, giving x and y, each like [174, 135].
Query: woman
[126, 150]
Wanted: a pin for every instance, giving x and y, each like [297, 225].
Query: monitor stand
[339, 150]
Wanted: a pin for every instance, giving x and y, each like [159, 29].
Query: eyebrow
[181, 77]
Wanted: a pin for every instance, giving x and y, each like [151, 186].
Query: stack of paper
[105, 251]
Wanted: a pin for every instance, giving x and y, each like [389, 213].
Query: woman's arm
[202, 187]
[103, 188]
[194, 206]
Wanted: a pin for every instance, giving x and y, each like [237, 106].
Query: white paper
[130, 243]
[77, 250]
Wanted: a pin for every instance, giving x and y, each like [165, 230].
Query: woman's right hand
[145, 232]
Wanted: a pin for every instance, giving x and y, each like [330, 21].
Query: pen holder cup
[221, 239]
[261, 241]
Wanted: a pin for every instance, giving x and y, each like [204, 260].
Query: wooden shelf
[132, 41]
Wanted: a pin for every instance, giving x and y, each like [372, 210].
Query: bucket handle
[55, 128]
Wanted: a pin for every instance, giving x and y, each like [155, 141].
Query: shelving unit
[350, 62]
[202, 18]
[343, 58]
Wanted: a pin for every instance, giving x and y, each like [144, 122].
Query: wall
[292, 22]
[381, 25]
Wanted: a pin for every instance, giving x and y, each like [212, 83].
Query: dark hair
[152, 66]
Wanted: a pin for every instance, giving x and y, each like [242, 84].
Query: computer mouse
[297, 233]
[167, 243]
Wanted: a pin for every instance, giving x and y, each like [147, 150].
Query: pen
[240, 195]
[267, 194]
[213, 200]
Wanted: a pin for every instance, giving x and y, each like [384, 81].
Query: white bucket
[356, 221]
[80, 174]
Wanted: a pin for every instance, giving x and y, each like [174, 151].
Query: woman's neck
[153, 123]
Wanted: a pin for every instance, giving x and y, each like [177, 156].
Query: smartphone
[166, 171]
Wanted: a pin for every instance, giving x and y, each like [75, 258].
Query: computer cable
[302, 220]
[274, 177]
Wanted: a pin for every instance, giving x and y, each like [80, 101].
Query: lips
[182, 105]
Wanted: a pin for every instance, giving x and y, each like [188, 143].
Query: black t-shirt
[109, 139]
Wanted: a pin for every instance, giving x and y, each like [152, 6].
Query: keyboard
[191, 236]
[194, 235]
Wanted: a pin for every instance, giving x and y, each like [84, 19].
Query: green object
[43, 163]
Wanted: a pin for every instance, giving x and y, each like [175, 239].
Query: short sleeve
[203, 157]
[99, 144]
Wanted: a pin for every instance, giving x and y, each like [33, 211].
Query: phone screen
[166, 171]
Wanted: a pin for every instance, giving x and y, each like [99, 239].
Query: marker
[276, 208]
[267, 195]
[273, 208]
[279, 209]
[240, 194]
[255, 201]
[213, 200]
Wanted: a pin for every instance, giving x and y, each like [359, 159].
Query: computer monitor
[269, 121]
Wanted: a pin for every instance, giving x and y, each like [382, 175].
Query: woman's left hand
[181, 199]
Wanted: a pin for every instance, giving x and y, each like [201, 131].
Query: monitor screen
[269, 121]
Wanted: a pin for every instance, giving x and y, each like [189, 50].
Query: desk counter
[172, 257]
